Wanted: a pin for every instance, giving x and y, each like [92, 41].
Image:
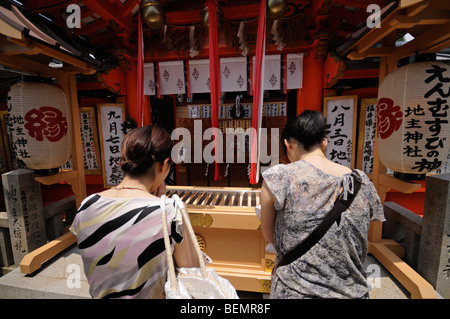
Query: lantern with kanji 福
[40, 125]
[413, 129]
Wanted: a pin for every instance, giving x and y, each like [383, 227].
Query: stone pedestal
[434, 257]
[25, 212]
[6, 254]
[60, 278]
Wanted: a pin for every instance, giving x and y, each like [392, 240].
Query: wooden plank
[375, 37]
[10, 31]
[408, 3]
[372, 52]
[57, 178]
[425, 18]
[395, 183]
[33, 261]
[411, 280]
[28, 65]
[55, 53]
[421, 44]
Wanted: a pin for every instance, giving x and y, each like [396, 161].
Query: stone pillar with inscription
[25, 212]
[434, 255]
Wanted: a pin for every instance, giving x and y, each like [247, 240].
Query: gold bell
[276, 9]
[153, 14]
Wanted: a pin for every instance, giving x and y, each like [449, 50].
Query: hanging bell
[276, 9]
[153, 14]
[205, 17]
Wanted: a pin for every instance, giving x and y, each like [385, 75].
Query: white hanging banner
[199, 76]
[171, 78]
[294, 72]
[149, 79]
[233, 74]
[272, 72]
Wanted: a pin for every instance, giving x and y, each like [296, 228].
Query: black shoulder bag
[340, 205]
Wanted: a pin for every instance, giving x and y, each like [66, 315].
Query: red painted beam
[110, 11]
[129, 6]
[183, 17]
[241, 12]
[361, 74]
[224, 52]
[91, 27]
[84, 86]
[86, 12]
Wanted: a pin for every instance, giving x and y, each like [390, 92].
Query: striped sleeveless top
[121, 244]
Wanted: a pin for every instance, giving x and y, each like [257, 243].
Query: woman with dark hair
[296, 197]
[119, 231]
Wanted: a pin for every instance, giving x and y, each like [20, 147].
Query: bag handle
[173, 278]
[179, 205]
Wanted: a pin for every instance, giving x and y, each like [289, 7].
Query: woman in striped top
[119, 231]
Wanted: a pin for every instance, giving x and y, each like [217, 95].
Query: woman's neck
[312, 155]
[141, 183]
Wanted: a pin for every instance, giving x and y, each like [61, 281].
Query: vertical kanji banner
[215, 80]
[258, 96]
[341, 115]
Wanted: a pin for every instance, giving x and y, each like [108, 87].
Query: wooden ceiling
[111, 25]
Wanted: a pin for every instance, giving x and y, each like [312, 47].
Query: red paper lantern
[413, 128]
[40, 124]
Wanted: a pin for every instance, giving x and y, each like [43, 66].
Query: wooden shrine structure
[331, 35]
[429, 23]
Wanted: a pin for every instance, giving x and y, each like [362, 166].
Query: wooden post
[310, 96]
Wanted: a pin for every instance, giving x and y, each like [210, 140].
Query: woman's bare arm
[268, 213]
[184, 253]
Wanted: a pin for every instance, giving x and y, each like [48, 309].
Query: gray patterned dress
[333, 268]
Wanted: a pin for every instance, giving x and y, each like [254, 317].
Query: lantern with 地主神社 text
[40, 125]
[413, 128]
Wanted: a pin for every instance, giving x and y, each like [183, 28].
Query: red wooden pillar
[130, 90]
[310, 96]
[147, 111]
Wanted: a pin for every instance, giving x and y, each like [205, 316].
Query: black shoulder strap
[340, 205]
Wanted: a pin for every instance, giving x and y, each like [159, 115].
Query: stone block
[23, 201]
[434, 256]
[405, 227]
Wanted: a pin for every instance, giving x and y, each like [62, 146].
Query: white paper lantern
[40, 124]
[413, 128]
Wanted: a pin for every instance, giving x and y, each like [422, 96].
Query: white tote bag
[192, 283]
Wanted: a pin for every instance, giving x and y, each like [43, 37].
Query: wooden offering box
[229, 232]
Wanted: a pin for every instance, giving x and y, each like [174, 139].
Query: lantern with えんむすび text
[39, 121]
[413, 129]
